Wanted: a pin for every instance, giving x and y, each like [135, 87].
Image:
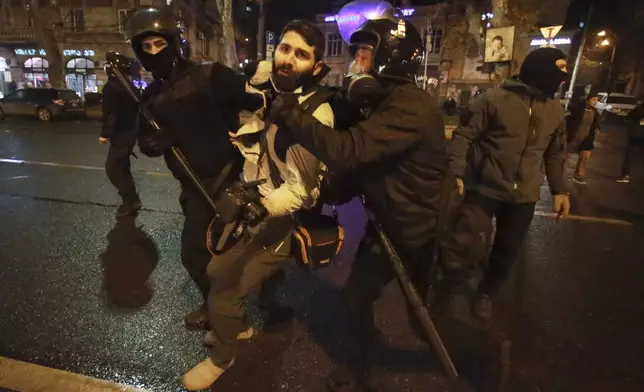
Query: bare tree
[48, 22]
[227, 39]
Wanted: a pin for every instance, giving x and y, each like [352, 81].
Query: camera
[241, 202]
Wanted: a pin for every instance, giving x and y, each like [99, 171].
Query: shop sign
[554, 42]
[349, 18]
[30, 52]
[75, 52]
[66, 52]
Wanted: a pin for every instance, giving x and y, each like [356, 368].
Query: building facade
[455, 38]
[89, 33]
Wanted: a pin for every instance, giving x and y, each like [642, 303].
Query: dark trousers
[370, 273]
[117, 167]
[468, 239]
[251, 263]
[194, 254]
[631, 150]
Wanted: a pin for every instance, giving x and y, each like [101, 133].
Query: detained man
[292, 185]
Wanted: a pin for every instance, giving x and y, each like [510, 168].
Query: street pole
[610, 68]
[580, 54]
[260, 31]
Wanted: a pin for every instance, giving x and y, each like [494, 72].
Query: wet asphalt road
[82, 294]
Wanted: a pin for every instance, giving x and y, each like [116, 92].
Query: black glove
[150, 146]
[282, 107]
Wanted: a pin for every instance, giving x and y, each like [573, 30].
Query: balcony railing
[8, 33]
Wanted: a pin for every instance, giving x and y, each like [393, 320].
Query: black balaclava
[161, 64]
[540, 71]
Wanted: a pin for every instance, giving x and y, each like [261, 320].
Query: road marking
[16, 178]
[24, 376]
[537, 213]
[71, 166]
[583, 218]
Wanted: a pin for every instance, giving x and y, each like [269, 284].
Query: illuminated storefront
[36, 72]
[4, 75]
[79, 69]
[80, 76]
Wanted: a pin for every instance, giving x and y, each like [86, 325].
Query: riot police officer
[196, 106]
[120, 113]
[397, 155]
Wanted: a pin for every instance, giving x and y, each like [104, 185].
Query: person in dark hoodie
[582, 128]
[398, 160]
[635, 141]
[196, 105]
[120, 113]
[508, 136]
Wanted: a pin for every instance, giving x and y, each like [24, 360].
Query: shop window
[36, 72]
[80, 76]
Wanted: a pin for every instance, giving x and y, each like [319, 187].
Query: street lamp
[606, 42]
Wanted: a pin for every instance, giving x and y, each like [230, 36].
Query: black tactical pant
[117, 168]
[467, 245]
[370, 273]
[194, 254]
[632, 147]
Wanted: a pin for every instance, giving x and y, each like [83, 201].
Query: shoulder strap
[310, 105]
[276, 179]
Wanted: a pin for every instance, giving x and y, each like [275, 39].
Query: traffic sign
[270, 38]
[551, 31]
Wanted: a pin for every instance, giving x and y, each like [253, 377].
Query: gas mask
[361, 88]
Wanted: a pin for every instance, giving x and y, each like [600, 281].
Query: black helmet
[397, 47]
[153, 21]
[126, 65]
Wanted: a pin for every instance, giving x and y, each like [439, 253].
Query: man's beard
[289, 80]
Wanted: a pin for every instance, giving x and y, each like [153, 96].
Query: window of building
[76, 20]
[433, 42]
[80, 76]
[36, 72]
[122, 17]
[333, 45]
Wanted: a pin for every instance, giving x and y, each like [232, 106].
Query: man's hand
[561, 206]
[461, 186]
[103, 140]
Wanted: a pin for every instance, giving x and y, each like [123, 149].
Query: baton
[176, 152]
[412, 296]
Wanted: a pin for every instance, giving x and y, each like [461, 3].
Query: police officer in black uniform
[196, 106]
[120, 113]
[398, 158]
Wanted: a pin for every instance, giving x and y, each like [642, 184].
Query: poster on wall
[499, 44]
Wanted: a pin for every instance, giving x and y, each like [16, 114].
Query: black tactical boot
[128, 207]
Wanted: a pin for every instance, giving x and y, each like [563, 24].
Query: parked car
[44, 103]
[615, 104]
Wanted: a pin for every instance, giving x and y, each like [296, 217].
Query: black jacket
[575, 120]
[400, 157]
[635, 121]
[510, 135]
[195, 110]
[120, 114]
